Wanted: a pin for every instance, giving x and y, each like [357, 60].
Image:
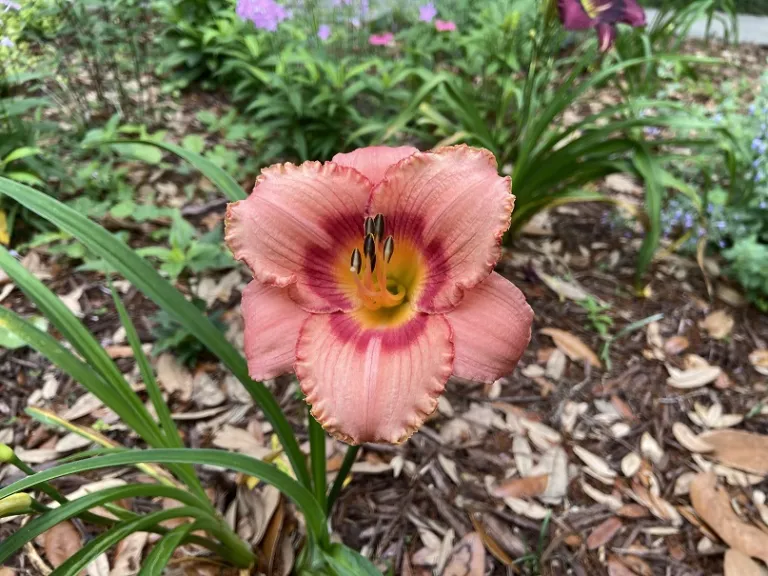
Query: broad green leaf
[194, 143]
[20, 153]
[145, 278]
[11, 341]
[344, 561]
[139, 151]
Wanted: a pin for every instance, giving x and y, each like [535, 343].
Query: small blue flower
[6, 42]
[759, 176]
[721, 243]
[710, 207]
[720, 224]
[751, 109]
[717, 118]
[763, 205]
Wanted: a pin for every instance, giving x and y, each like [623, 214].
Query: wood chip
[603, 533]
[692, 378]
[572, 346]
[713, 506]
[689, 440]
[593, 461]
[759, 360]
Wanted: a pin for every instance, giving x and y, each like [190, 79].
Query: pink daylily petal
[452, 203]
[373, 384]
[272, 323]
[606, 34]
[290, 229]
[634, 15]
[573, 16]
[491, 329]
[373, 161]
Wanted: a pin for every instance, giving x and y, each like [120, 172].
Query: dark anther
[369, 226]
[389, 248]
[356, 263]
[373, 262]
[369, 246]
[378, 226]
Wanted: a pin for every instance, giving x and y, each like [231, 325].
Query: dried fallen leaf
[603, 533]
[72, 301]
[719, 324]
[61, 542]
[675, 345]
[526, 508]
[739, 449]
[173, 377]
[521, 487]
[650, 448]
[759, 360]
[498, 538]
[739, 564]
[467, 558]
[128, 555]
[239, 440]
[570, 290]
[521, 451]
[692, 378]
[449, 467]
[617, 568]
[688, 440]
[610, 500]
[630, 464]
[206, 392]
[572, 346]
[713, 506]
[593, 461]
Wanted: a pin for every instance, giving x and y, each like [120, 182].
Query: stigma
[369, 269]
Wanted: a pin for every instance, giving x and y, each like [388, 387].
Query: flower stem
[338, 483]
[317, 457]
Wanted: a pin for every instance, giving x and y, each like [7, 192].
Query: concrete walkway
[752, 29]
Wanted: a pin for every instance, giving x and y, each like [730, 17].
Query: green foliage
[600, 321]
[747, 259]
[171, 336]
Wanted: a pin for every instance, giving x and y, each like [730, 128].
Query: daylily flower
[373, 282]
[603, 15]
[445, 26]
[385, 39]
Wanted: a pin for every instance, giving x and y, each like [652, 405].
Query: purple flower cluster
[427, 12]
[265, 14]
[6, 42]
[9, 5]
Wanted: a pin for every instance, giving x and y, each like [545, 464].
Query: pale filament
[372, 288]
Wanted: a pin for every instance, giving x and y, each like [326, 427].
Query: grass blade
[156, 561]
[143, 275]
[113, 390]
[303, 498]
[44, 522]
[341, 476]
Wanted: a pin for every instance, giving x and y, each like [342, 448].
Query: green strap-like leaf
[38, 525]
[112, 388]
[103, 542]
[303, 498]
[223, 181]
[317, 458]
[156, 560]
[341, 476]
[648, 167]
[145, 278]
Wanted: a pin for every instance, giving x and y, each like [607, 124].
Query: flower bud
[6, 454]
[14, 504]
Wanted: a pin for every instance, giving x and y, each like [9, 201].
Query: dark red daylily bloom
[602, 15]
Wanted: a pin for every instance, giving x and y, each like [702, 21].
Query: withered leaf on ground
[713, 505]
[467, 557]
[739, 449]
[572, 346]
[173, 377]
[759, 360]
[718, 324]
[526, 487]
[61, 542]
[603, 533]
[739, 564]
[128, 555]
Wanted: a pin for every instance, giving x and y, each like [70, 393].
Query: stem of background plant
[317, 458]
[338, 483]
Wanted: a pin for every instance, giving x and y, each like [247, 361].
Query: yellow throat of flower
[593, 9]
[369, 269]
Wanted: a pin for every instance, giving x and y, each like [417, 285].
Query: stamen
[369, 246]
[378, 226]
[356, 262]
[389, 248]
[373, 262]
[368, 227]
